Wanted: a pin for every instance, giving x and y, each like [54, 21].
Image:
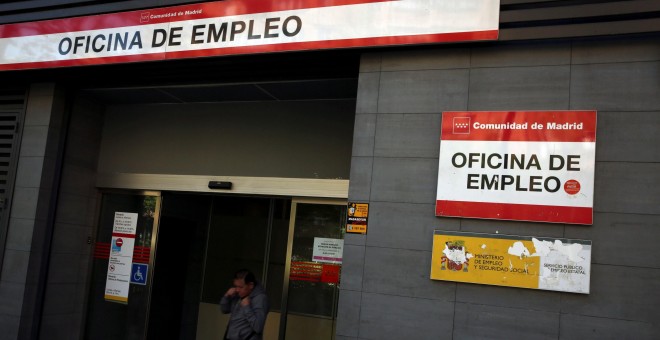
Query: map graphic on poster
[513, 261]
[121, 257]
[520, 165]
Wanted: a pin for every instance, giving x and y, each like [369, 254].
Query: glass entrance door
[294, 247]
[314, 256]
[118, 303]
[188, 247]
[243, 232]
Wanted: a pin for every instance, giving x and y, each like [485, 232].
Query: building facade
[249, 160]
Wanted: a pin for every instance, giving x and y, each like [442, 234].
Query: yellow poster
[358, 216]
[513, 261]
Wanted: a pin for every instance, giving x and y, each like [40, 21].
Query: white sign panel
[564, 267]
[243, 27]
[121, 257]
[518, 165]
[328, 250]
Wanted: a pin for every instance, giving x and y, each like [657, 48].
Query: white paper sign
[121, 257]
[328, 250]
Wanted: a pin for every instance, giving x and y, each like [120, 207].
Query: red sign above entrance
[243, 27]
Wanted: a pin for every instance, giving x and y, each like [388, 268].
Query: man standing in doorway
[248, 304]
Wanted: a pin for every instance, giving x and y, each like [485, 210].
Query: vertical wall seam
[453, 321]
[467, 98]
[570, 75]
[371, 181]
[44, 270]
[559, 324]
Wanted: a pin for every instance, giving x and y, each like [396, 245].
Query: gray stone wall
[297, 139]
[36, 178]
[43, 285]
[70, 260]
[386, 292]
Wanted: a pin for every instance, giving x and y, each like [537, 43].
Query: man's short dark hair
[246, 275]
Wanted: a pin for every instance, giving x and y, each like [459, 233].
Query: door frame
[301, 190]
[152, 244]
[266, 186]
[289, 251]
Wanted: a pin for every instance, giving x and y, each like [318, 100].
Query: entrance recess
[108, 318]
[293, 246]
[191, 244]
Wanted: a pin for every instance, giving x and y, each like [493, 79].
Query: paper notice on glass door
[121, 257]
[328, 250]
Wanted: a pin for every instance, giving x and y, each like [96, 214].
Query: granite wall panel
[616, 76]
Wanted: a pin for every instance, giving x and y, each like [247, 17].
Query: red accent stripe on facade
[313, 45]
[140, 254]
[510, 211]
[101, 250]
[123, 235]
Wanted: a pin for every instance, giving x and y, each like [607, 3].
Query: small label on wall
[358, 216]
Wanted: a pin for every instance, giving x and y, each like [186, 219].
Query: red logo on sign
[119, 242]
[144, 17]
[572, 187]
[461, 125]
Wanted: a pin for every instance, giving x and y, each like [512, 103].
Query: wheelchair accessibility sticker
[139, 273]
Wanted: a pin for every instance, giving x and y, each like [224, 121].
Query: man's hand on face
[231, 292]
